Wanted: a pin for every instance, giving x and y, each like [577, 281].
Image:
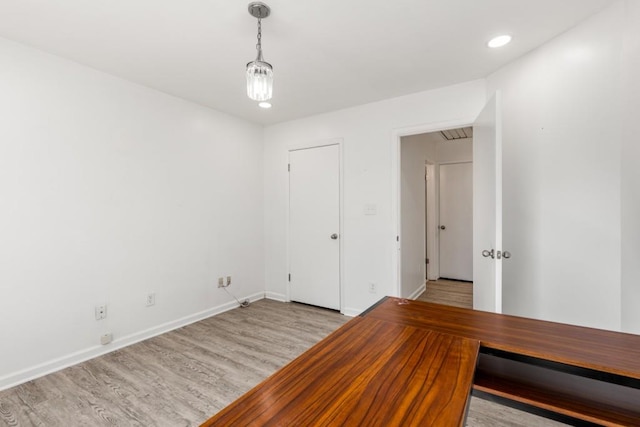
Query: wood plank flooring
[185, 376]
[177, 379]
[448, 292]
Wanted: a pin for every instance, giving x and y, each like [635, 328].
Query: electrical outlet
[228, 280]
[101, 312]
[221, 282]
[372, 288]
[151, 299]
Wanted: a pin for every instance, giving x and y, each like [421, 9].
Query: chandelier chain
[259, 44]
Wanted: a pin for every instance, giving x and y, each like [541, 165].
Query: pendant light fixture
[259, 72]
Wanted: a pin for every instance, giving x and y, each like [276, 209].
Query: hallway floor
[449, 292]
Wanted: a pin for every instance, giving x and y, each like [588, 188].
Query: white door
[487, 208]
[314, 226]
[456, 221]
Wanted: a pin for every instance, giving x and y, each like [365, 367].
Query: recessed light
[264, 105]
[499, 41]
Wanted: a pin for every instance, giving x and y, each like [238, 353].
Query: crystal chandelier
[259, 72]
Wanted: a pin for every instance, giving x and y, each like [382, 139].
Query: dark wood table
[413, 363]
[570, 373]
[369, 372]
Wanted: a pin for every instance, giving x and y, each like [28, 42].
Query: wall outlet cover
[106, 338]
[101, 312]
[151, 299]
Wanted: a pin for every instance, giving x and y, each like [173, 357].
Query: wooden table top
[369, 372]
[606, 351]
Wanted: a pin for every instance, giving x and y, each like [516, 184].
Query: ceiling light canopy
[259, 72]
[499, 41]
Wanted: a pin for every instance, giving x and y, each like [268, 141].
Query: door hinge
[427, 261]
[289, 276]
[289, 167]
[397, 238]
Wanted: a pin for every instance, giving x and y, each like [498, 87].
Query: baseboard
[276, 296]
[46, 368]
[351, 312]
[421, 288]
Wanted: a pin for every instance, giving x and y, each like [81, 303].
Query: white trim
[351, 312]
[455, 162]
[49, 367]
[396, 168]
[317, 144]
[276, 296]
[421, 288]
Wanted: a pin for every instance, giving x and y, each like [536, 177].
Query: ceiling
[326, 54]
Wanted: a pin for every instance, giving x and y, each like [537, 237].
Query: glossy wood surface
[600, 350]
[369, 372]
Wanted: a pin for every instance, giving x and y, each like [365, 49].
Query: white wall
[369, 133]
[108, 191]
[630, 177]
[415, 150]
[562, 176]
[456, 151]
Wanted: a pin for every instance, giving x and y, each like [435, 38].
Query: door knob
[442, 227]
[334, 236]
[506, 255]
[488, 254]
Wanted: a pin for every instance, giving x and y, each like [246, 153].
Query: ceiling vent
[453, 134]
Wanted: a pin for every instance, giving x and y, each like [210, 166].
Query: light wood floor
[183, 377]
[449, 292]
[177, 379]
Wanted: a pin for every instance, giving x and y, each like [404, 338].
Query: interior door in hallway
[456, 221]
[314, 226]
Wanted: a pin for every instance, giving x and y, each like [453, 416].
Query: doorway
[314, 226]
[487, 203]
[422, 156]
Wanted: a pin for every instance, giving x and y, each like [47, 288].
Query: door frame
[396, 170]
[431, 221]
[317, 144]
